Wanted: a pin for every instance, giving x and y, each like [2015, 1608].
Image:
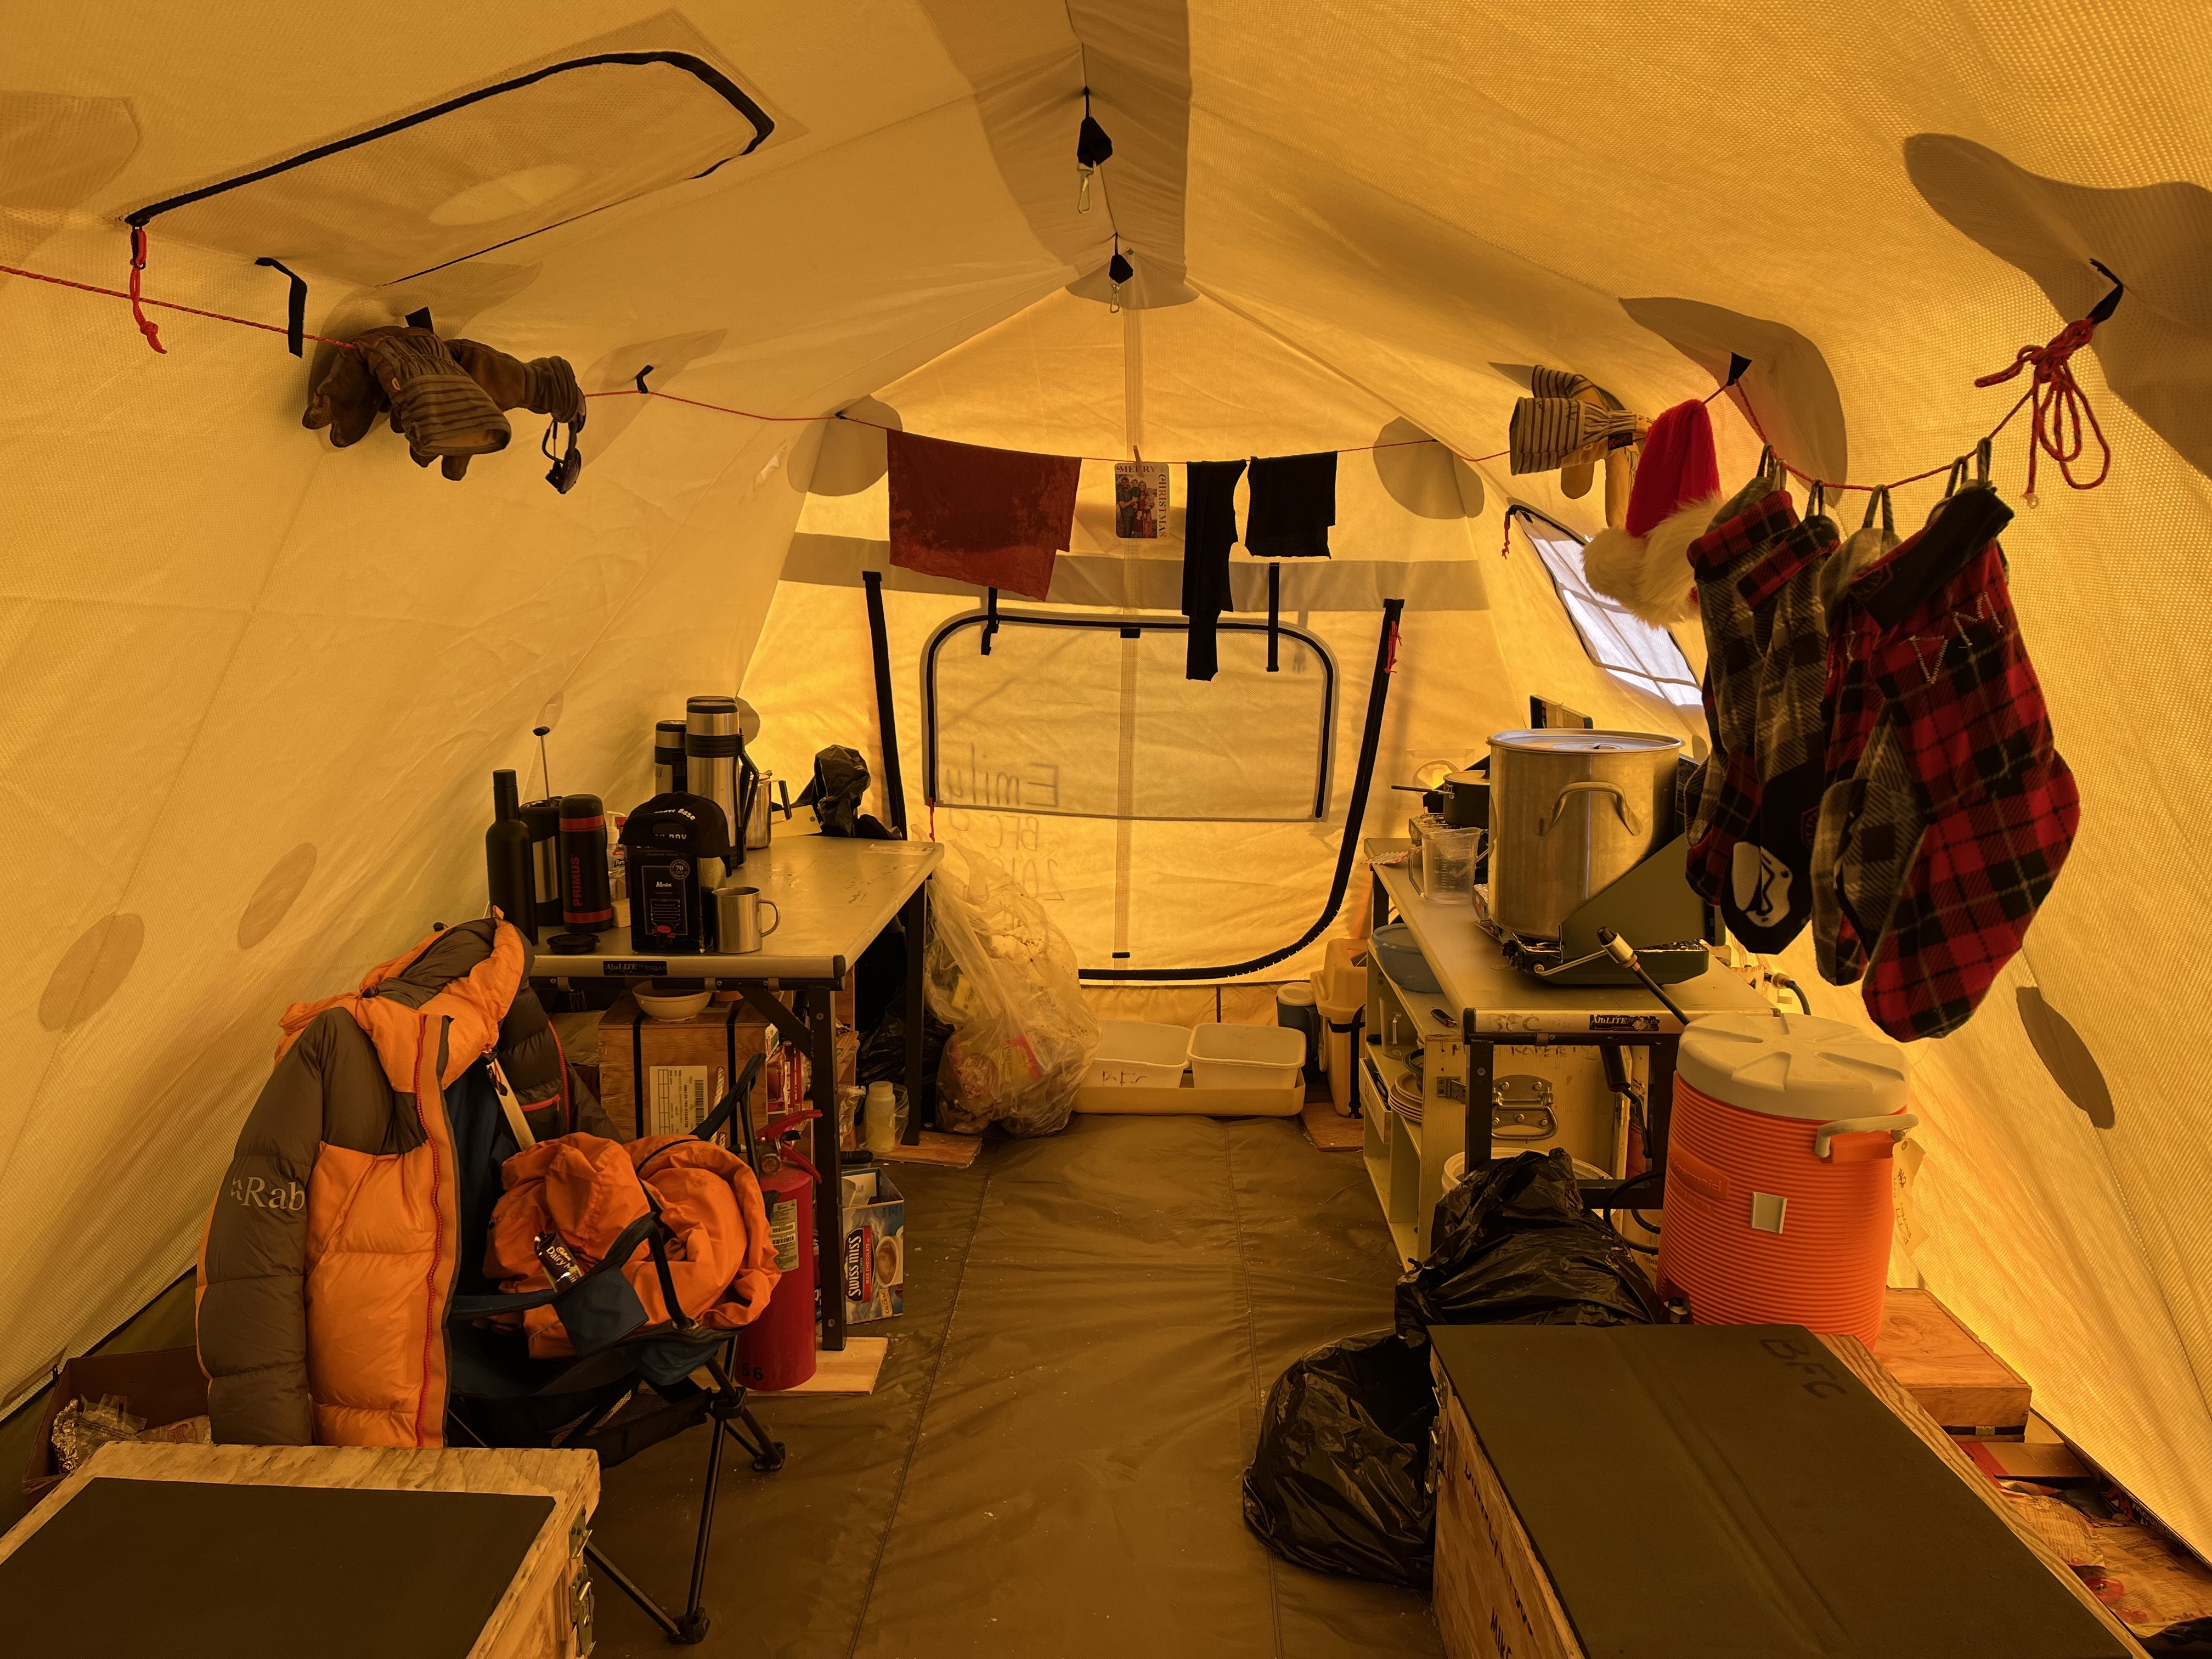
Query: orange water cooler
[1778, 1206]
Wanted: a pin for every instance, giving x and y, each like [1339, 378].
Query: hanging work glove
[441, 411]
[347, 399]
[543, 386]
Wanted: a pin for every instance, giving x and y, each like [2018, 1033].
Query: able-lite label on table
[626, 969]
[1518, 1021]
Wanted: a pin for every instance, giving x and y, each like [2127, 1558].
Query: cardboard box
[873, 1268]
[686, 1065]
[164, 1386]
[675, 1069]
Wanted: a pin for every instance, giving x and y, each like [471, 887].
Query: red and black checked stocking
[1724, 798]
[1769, 895]
[1997, 805]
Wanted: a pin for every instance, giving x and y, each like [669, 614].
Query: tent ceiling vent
[480, 169]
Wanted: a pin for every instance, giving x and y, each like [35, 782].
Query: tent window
[1080, 717]
[1626, 646]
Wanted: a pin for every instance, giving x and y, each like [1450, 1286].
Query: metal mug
[737, 915]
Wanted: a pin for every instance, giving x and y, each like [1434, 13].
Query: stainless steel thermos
[541, 820]
[715, 766]
[668, 766]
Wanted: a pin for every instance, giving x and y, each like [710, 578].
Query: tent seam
[1251, 1356]
[920, 1416]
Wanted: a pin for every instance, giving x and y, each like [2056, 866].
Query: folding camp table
[1485, 1002]
[833, 896]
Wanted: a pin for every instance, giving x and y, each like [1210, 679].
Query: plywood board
[850, 1370]
[953, 1151]
[1957, 1381]
[1331, 1131]
[532, 1620]
[1493, 1596]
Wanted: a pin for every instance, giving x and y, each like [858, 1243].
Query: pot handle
[1544, 827]
[1898, 1124]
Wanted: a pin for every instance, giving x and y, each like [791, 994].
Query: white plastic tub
[1137, 1053]
[1246, 1056]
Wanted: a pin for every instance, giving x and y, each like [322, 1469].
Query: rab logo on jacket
[857, 1257]
[255, 1193]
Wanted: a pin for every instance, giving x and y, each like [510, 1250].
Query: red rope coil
[2063, 423]
[138, 301]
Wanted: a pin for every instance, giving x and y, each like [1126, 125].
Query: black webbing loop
[1275, 612]
[990, 616]
[879, 647]
[1371, 742]
[295, 309]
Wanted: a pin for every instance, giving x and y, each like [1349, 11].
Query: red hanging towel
[994, 517]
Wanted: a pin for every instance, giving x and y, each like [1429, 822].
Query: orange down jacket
[587, 1189]
[328, 1267]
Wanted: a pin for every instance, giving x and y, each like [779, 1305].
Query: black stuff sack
[1340, 1481]
[1512, 1245]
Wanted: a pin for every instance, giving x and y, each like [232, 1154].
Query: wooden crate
[534, 1619]
[1493, 1597]
[1944, 1366]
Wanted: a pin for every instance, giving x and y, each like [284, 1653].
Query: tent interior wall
[254, 686]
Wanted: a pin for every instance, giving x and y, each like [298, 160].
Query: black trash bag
[1340, 1481]
[883, 1054]
[1512, 1245]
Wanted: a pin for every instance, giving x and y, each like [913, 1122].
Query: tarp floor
[1049, 1464]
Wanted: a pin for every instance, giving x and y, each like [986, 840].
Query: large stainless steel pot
[1571, 812]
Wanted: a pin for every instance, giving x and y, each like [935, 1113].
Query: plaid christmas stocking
[1850, 709]
[1996, 806]
[1860, 854]
[1768, 897]
[1724, 802]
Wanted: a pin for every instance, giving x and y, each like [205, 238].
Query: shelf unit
[1405, 1160]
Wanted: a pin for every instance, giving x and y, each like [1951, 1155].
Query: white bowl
[680, 1004]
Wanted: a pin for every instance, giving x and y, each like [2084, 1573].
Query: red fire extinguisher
[776, 1351]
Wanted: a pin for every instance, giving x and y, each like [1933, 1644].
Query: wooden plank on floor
[1330, 1132]
[953, 1151]
[852, 1370]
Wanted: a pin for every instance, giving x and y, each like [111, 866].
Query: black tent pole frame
[880, 646]
[1371, 742]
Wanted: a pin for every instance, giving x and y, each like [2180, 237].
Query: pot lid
[1794, 1066]
[1468, 780]
[1567, 740]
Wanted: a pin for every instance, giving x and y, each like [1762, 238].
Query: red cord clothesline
[856, 420]
[2064, 421]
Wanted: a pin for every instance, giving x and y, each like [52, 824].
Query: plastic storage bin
[1136, 1053]
[1246, 1056]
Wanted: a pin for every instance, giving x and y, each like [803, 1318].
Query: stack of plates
[1405, 1094]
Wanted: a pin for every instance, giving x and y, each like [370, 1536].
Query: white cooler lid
[1794, 1066]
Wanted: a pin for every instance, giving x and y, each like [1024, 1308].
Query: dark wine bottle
[506, 858]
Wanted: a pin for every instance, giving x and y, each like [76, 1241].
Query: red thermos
[776, 1351]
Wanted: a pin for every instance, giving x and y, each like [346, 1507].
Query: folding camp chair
[630, 1384]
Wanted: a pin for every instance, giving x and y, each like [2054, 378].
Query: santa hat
[1645, 565]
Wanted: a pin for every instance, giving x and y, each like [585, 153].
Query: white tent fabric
[254, 685]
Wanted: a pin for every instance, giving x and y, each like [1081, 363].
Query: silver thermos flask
[669, 771]
[712, 743]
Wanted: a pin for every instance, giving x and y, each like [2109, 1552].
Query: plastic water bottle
[881, 1112]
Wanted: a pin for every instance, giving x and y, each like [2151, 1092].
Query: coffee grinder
[668, 840]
